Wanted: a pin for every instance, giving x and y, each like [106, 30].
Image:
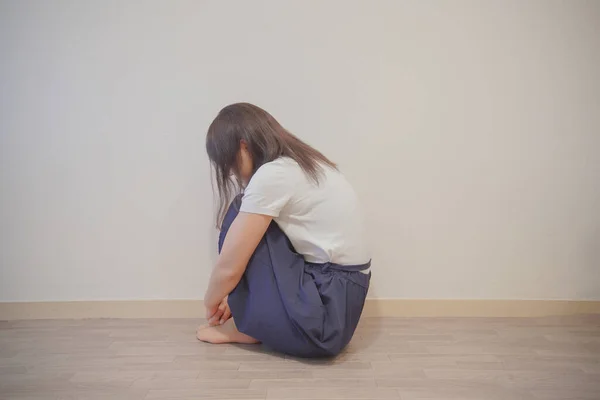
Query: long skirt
[293, 306]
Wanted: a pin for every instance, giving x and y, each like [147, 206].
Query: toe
[201, 335]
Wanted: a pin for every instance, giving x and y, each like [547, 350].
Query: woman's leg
[256, 303]
[228, 332]
[279, 302]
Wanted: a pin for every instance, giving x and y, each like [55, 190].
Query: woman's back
[323, 221]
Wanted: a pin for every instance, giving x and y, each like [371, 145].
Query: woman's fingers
[218, 316]
[221, 314]
[226, 315]
[214, 320]
[210, 312]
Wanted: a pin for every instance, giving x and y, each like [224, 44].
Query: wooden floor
[483, 359]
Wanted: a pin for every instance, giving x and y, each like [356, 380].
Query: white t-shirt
[323, 222]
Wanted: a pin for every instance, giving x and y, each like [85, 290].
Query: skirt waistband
[339, 267]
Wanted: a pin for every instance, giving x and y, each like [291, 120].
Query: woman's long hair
[266, 139]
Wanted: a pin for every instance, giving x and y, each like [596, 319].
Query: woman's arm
[243, 237]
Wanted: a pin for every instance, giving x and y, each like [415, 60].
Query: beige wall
[471, 130]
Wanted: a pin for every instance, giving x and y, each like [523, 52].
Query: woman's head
[242, 138]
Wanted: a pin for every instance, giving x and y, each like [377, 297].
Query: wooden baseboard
[373, 308]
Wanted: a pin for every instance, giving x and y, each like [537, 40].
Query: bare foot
[226, 333]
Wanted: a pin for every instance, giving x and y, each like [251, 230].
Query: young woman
[293, 270]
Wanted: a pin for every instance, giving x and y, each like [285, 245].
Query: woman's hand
[220, 314]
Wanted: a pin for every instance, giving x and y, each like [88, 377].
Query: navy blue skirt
[292, 306]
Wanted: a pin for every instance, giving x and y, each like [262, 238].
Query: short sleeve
[269, 190]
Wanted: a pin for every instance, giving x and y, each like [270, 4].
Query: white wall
[471, 130]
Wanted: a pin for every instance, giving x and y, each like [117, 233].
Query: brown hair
[266, 139]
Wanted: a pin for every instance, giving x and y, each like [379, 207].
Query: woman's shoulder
[286, 171]
[280, 167]
[281, 171]
[281, 162]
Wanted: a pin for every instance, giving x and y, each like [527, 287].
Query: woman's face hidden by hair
[245, 166]
[242, 138]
